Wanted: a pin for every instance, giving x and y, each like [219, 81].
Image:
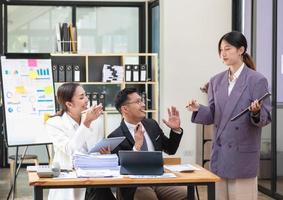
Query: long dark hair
[65, 93]
[238, 40]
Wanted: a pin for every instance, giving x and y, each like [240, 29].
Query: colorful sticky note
[33, 74]
[32, 62]
[20, 89]
[48, 90]
[46, 116]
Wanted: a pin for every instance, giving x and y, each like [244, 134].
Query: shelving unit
[207, 132]
[91, 66]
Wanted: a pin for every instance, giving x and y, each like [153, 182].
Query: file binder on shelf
[58, 37]
[136, 73]
[55, 73]
[102, 99]
[57, 106]
[73, 38]
[94, 99]
[77, 73]
[65, 38]
[128, 73]
[143, 96]
[61, 74]
[143, 74]
[89, 96]
[69, 73]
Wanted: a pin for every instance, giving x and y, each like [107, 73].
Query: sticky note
[20, 89]
[33, 74]
[32, 62]
[46, 116]
[48, 90]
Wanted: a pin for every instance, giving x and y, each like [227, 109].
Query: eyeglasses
[138, 101]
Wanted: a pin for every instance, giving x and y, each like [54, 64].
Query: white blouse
[68, 137]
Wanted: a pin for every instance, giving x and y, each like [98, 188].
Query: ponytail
[249, 61]
[58, 113]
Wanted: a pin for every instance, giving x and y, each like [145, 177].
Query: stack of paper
[98, 173]
[95, 161]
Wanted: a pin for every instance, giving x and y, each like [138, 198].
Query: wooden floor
[24, 191]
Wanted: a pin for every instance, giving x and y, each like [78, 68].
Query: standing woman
[72, 131]
[236, 144]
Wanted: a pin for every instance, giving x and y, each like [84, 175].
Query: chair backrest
[172, 160]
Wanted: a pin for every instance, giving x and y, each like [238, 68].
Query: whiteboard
[28, 99]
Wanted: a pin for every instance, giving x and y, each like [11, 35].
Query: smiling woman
[72, 131]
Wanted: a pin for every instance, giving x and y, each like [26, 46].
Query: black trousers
[126, 193]
[99, 194]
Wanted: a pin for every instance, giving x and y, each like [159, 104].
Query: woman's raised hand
[92, 114]
[192, 106]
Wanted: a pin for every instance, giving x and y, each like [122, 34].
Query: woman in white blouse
[72, 131]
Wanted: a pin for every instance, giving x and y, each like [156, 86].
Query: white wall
[190, 31]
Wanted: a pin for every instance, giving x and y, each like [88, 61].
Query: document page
[181, 168]
[165, 175]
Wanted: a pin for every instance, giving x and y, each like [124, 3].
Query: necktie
[144, 145]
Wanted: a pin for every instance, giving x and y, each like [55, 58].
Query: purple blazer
[236, 144]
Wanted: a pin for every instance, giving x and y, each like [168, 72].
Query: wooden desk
[201, 177]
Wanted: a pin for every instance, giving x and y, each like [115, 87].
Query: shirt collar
[238, 72]
[130, 126]
[73, 123]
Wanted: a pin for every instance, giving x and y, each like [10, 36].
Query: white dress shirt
[235, 77]
[132, 127]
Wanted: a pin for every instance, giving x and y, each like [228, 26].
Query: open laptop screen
[141, 162]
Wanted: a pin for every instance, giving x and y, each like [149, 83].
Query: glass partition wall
[101, 27]
[262, 23]
[31, 29]
[107, 30]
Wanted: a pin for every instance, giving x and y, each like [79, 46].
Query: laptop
[141, 162]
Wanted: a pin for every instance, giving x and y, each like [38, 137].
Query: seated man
[145, 134]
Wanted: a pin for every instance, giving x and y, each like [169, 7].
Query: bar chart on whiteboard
[28, 95]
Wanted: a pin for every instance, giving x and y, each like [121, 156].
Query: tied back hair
[238, 40]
